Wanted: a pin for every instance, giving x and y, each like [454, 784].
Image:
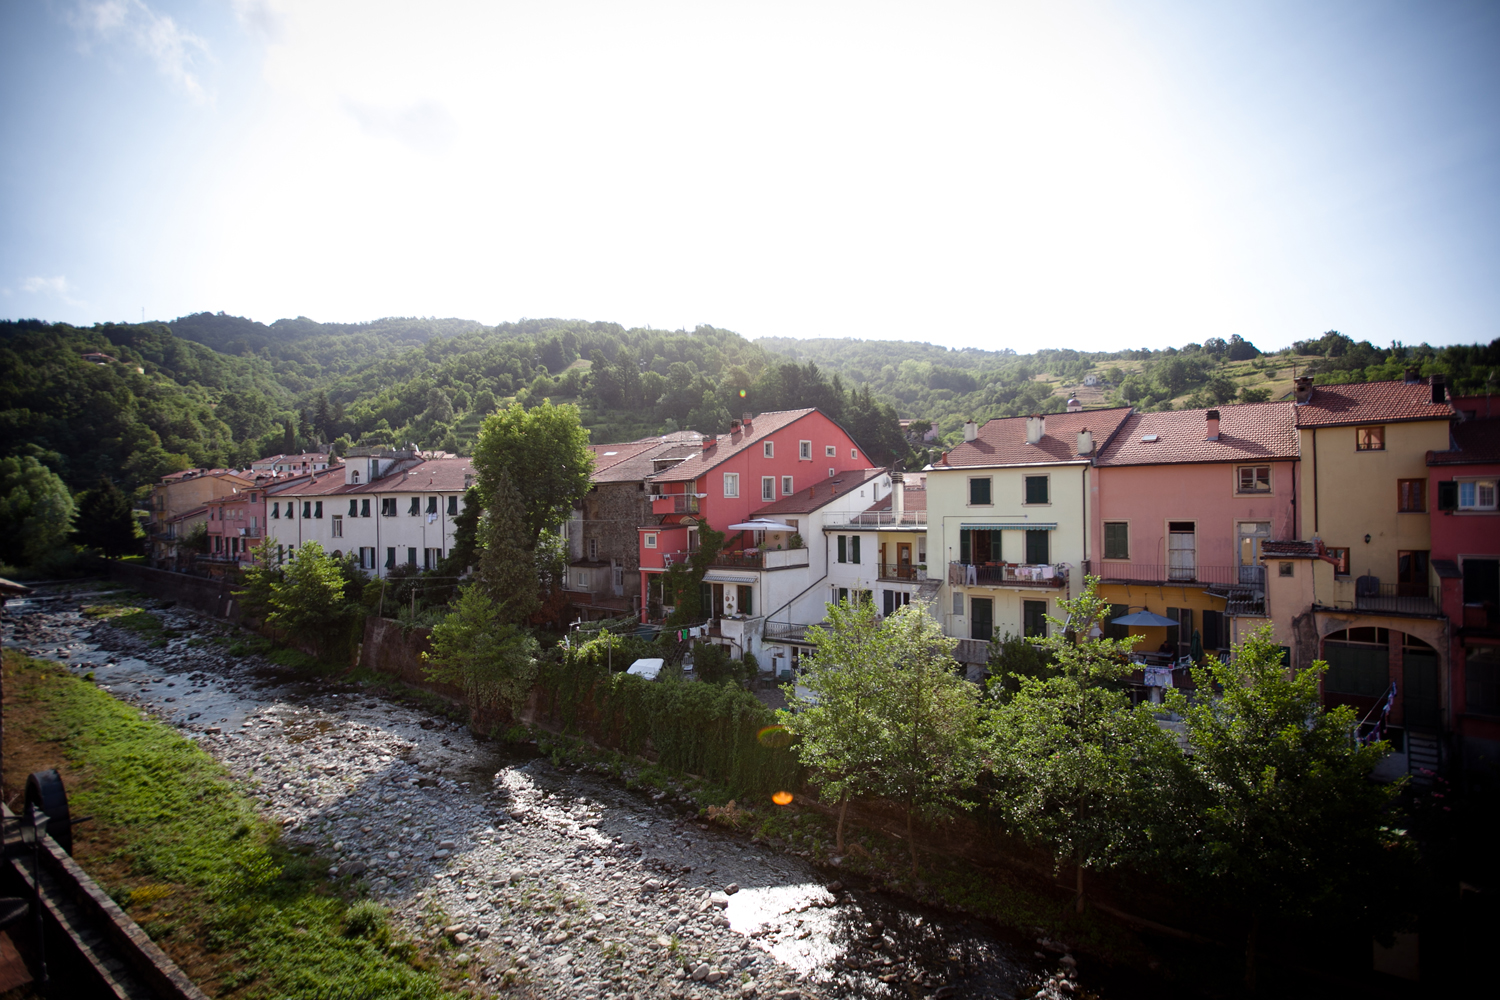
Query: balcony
[1253, 577]
[1039, 575]
[906, 572]
[1398, 598]
[976, 651]
[786, 632]
[915, 520]
[675, 503]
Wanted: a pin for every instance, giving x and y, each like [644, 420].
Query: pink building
[1463, 484]
[236, 524]
[760, 460]
[1185, 500]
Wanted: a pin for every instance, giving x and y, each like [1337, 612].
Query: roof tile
[729, 445]
[1370, 402]
[1246, 431]
[1003, 441]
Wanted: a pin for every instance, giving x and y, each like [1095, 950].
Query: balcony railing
[1007, 575]
[740, 558]
[972, 651]
[675, 503]
[786, 631]
[880, 519]
[1219, 576]
[899, 571]
[1399, 598]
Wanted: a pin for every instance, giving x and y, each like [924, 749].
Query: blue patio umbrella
[1144, 619]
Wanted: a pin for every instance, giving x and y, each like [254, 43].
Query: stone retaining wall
[200, 593]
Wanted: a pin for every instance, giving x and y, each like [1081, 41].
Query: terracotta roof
[634, 461]
[1003, 441]
[437, 475]
[1296, 548]
[1246, 431]
[1475, 442]
[820, 494]
[730, 445]
[1370, 402]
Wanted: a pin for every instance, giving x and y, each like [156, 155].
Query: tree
[106, 520]
[1077, 768]
[259, 579]
[545, 452]
[507, 564]
[1290, 819]
[1249, 395]
[918, 719]
[36, 510]
[836, 723]
[494, 662]
[308, 601]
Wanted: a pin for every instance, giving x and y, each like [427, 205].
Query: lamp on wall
[1367, 539]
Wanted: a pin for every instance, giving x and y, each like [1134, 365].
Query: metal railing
[740, 558]
[1007, 575]
[794, 631]
[898, 571]
[1400, 598]
[881, 519]
[1156, 573]
[675, 503]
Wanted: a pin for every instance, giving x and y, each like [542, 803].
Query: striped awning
[1024, 526]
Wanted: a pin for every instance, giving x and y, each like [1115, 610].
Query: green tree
[107, 521]
[36, 510]
[259, 580]
[545, 452]
[836, 724]
[507, 564]
[493, 661]
[1079, 770]
[1291, 821]
[308, 601]
[1258, 395]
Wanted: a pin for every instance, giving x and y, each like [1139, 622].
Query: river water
[545, 881]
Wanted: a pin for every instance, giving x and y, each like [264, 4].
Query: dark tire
[44, 789]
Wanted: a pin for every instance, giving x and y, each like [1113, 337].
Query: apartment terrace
[907, 520]
[1157, 574]
[1046, 576]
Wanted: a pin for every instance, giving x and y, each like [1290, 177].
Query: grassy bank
[187, 856]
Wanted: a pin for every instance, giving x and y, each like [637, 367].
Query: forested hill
[212, 390]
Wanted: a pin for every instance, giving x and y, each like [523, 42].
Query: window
[804, 450]
[1182, 548]
[306, 509]
[1253, 479]
[364, 508]
[453, 506]
[854, 548]
[1482, 679]
[366, 557]
[1411, 496]
[355, 473]
[1477, 495]
[979, 492]
[786, 486]
[353, 507]
[415, 508]
[1117, 539]
[746, 601]
[830, 451]
[831, 472]
[768, 488]
[318, 509]
[650, 539]
[1284, 569]
[338, 526]
[895, 600]
[387, 506]
[854, 453]
[840, 594]
[275, 511]
[432, 505]
[958, 604]
[731, 484]
[280, 554]
[1036, 489]
[431, 558]
[1037, 550]
[768, 449]
[593, 550]
[982, 618]
[411, 557]
[1341, 561]
[1369, 439]
[1034, 619]
[843, 545]
[390, 557]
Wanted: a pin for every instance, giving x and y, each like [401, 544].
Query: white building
[388, 509]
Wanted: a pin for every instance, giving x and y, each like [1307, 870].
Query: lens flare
[742, 393]
[775, 737]
[782, 798]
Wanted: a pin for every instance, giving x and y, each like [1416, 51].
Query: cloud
[258, 18]
[425, 126]
[175, 51]
[57, 287]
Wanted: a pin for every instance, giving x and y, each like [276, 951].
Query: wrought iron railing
[1007, 574]
[1222, 576]
[898, 571]
[1399, 598]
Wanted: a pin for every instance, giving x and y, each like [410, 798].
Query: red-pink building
[1466, 559]
[236, 524]
[762, 458]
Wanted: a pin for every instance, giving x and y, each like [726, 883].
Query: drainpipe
[1316, 529]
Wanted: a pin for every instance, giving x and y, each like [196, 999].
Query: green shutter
[963, 546]
[1037, 548]
[843, 548]
[854, 548]
[1036, 489]
[1116, 540]
[979, 491]
[1358, 670]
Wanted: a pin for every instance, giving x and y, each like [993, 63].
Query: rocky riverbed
[538, 880]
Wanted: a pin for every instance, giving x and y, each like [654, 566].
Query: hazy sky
[1093, 175]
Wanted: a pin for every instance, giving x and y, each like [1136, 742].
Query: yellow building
[180, 493]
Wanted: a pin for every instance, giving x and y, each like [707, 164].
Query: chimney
[943, 459]
[1036, 428]
[734, 426]
[1302, 389]
[1085, 442]
[747, 418]
[898, 496]
[709, 442]
[1413, 374]
[1439, 388]
[971, 430]
[1212, 432]
[1075, 405]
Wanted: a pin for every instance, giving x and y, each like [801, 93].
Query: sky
[1078, 173]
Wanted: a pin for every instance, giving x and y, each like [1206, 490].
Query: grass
[185, 852]
[133, 619]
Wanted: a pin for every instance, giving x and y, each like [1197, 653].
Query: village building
[292, 465]
[880, 551]
[175, 501]
[1185, 500]
[1008, 516]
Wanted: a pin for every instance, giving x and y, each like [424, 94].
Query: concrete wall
[210, 596]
